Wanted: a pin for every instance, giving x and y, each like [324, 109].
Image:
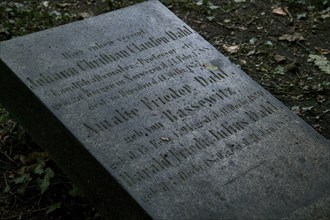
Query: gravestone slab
[151, 120]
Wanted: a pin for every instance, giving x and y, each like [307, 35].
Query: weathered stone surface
[141, 111]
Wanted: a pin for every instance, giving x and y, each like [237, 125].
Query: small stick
[290, 15]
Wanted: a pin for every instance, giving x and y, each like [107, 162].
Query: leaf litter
[278, 11]
[292, 37]
[321, 62]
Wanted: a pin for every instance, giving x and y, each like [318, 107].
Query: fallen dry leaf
[325, 16]
[325, 13]
[322, 51]
[294, 37]
[320, 99]
[32, 157]
[296, 109]
[301, 16]
[251, 53]
[165, 139]
[279, 58]
[84, 15]
[26, 169]
[210, 67]
[321, 62]
[291, 67]
[231, 49]
[242, 62]
[45, 4]
[278, 11]
[63, 5]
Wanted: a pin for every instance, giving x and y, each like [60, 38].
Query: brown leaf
[325, 13]
[291, 67]
[32, 157]
[251, 53]
[84, 15]
[2, 29]
[45, 4]
[323, 51]
[317, 127]
[11, 175]
[231, 49]
[210, 67]
[165, 139]
[279, 58]
[242, 62]
[278, 11]
[320, 99]
[27, 169]
[291, 38]
[63, 5]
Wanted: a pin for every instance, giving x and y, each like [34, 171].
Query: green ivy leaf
[53, 207]
[21, 189]
[75, 191]
[45, 182]
[6, 189]
[39, 169]
[4, 116]
[210, 18]
[321, 62]
[24, 178]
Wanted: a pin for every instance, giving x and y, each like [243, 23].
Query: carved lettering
[213, 78]
[44, 79]
[196, 125]
[168, 97]
[101, 60]
[119, 117]
[202, 103]
[179, 33]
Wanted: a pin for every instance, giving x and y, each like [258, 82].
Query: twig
[16, 216]
[4, 176]
[302, 46]
[8, 157]
[228, 10]
[323, 113]
[279, 20]
[223, 25]
[251, 21]
[285, 93]
[39, 201]
[10, 217]
[3, 162]
[290, 15]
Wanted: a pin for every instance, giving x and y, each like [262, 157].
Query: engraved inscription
[120, 116]
[43, 79]
[203, 103]
[166, 110]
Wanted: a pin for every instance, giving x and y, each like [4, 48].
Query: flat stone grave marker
[151, 120]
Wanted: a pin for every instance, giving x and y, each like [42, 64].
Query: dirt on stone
[283, 45]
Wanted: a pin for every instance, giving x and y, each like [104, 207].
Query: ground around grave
[283, 45]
